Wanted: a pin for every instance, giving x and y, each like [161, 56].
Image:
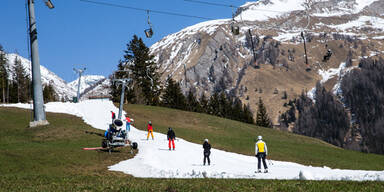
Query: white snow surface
[154, 160]
[208, 27]
[344, 8]
[362, 21]
[264, 10]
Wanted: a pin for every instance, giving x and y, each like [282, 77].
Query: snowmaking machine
[115, 137]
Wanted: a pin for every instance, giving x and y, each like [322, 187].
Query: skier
[150, 130]
[171, 138]
[207, 151]
[127, 124]
[261, 152]
[327, 56]
[113, 116]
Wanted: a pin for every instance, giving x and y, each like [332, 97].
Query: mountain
[267, 59]
[87, 81]
[91, 85]
[64, 92]
[99, 88]
[208, 57]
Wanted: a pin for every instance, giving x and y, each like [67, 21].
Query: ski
[92, 148]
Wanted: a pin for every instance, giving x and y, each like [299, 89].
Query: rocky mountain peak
[208, 57]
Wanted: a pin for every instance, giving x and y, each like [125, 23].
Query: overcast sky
[78, 34]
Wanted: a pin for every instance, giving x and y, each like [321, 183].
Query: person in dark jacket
[171, 138]
[207, 151]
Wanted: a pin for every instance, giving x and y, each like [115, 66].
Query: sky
[80, 34]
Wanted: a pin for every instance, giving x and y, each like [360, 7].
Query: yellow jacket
[261, 147]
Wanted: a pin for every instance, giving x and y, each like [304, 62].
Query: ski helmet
[169, 128]
[259, 137]
[206, 140]
[149, 122]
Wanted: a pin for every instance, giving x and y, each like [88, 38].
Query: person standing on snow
[113, 116]
[261, 153]
[127, 124]
[207, 151]
[150, 130]
[171, 138]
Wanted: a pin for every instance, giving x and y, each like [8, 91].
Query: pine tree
[224, 106]
[204, 104]
[173, 97]
[214, 105]
[192, 103]
[21, 82]
[49, 93]
[237, 109]
[262, 118]
[248, 116]
[3, 74]
[146, 80]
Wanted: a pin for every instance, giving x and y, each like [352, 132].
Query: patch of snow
[325, 76]
[362, 21]
[287, 36]
[336, 90]
[154, 160]
[344, 8]
[378, 37]
[264, 10]
[361, 4]
[207, 27]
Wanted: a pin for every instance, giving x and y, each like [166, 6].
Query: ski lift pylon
[256, 66]
[148, 32]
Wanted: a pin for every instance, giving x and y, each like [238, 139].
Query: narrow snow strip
[154, 160]
[327, 75]
[362, 21]
[378, 37]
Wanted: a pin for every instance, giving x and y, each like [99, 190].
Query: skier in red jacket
[113, 116]
[150, 130]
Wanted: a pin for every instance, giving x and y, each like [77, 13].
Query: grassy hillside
[50, 158]
[239, 137]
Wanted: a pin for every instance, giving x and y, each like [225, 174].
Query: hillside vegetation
[239, 137]
[50, 158]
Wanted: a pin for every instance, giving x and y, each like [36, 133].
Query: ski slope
[154, 160]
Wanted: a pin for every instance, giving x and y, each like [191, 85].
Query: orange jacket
[150, 127]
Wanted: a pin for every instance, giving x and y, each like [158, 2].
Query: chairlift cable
[141, 9]
[209, 3]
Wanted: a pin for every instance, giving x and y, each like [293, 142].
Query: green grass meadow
[50, 158]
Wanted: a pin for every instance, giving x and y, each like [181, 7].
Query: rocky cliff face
[209, 58]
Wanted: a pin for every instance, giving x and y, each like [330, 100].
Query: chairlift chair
[235, 29]
[49, 4]
[149, 32]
